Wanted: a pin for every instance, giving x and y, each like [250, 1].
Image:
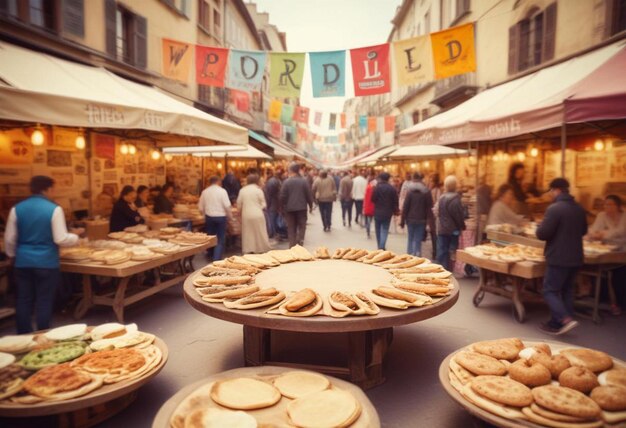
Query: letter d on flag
[328, 73]
[453, 51]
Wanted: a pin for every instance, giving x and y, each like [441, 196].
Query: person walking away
[34, 232]
[335, 176]
[325, 194]
[450, 222]
[232, 186]
[434, 184]
[272, 200]
[251, 203]
[501, 211]
[563, 228]
[125, 213]
[295, 196]
[416, 211]
[345, 197]
[215, 205]
[359, 184]
[385, 199]
[163, 202]
[368, 205]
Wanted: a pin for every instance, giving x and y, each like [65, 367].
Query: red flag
[370, 69]
[240, 99]
[343, 120]
[301, 134]
[301, 114]
[277, 129]
[390, 123]
[318, 118]
[211, 65]
[372, 124]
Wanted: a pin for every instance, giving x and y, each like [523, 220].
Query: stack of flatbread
[75, 254]
[190, 238]
[546, 385]
[119, 364]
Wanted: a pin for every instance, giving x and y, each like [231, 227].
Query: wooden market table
[80, 412]
[123, 273]
[368, 419]
[368, 337]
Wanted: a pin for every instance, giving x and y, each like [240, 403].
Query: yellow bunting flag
[274, 111]
[453, 51]
[286, 73]
[177, 60]
[414, 60]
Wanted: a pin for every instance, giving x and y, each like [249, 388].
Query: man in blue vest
[35, 230]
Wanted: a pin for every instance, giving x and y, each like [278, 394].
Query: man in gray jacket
[345, 197]
[325, 194]
[295, 195]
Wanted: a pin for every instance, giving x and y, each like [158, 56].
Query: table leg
[87, 300]
[256, 345]
[518, 306]
[480, 292]
[118, 301]
[366, 354]
[596, 300]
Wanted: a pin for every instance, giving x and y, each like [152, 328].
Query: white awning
[381, 153]
[44, 89]
[426, 152]
[249, 153]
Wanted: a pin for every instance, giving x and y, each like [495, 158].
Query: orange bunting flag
[343, 120]
[274, 111]
[390, 123]
[177, 60]
[372, 124]
[453, 51]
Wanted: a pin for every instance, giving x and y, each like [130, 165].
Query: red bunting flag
[318, 118]
[390, 123]
[370, 69]
[211, 66]
[372, 124]
[277, 129]
[343, 120]
[240, 99]
[301, 114]
[302, 134]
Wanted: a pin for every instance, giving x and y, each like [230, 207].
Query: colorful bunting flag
[453, 51]
[390, 123]
[274, 111]
[276, 129]
[301, 115]
[318, 118]
[414, 60]
[176, 60]
[332, 121]
[372, 124]
[245, 69]
[342, 138]
[286, 72]
[363, 123]
[211, 65]
[343, 120]
[286, 116]
[370, 69]
[302, 134]
[241, 100]
[328, 73]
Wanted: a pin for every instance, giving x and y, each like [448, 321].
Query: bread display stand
[484, 415]
[368, 337]
[130, 278]
[368, 419]
[81, 412]
[596, 266]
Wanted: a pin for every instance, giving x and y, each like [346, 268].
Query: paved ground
[412, 396]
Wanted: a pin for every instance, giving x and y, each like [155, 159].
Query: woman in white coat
[251, 203]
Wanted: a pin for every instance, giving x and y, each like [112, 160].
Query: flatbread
[219, 418]
[301, 253]
[16, 344]
[244, 394]
[6, 359]
[541, 420]
[202, 281]
[463, 375]
[297, 384]
[306, 311]
[491, 406]
[262, 259]
[61, 382]
[283, 256]
[56, 354]
[67, 332]
[329, 408]
[259, 299]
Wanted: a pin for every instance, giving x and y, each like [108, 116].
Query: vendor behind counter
[125, 212]
[610, 224]
[163, 203]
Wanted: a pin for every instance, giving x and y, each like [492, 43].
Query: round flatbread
[297, 384]
[111, 330]
[57, 354]
[244, 394]
[480, 364]
[17, 344]
[61, 382]
[218, 418]
[329, 408]
[502, 390]
[596, 361]
[566, 401]
[6, 359]
[67, 332]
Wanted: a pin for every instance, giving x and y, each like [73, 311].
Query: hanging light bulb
[37, 137]
[124, 149]
[80, 142]
[598, 145]
[168, 157]
[534, 152]
[521, 156]
[427, 164]
[156, 155]
[132, 149]
[219, 165]
[412, 166]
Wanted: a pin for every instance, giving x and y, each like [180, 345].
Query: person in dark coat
[416, 211]
[450, 221]
[143, 193]
[231, 184]
[125, 212]
[563, 228]
[163, 202]
[385, 199]
[516, 178]
[295, 196]
[272, 199]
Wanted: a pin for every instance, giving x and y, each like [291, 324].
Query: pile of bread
[127, 246]
[416, 282]
[296, 398]
[594, 248]
[541, 384]
[72, 361]
[510, 254]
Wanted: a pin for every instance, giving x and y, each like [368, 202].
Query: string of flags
[417, 60]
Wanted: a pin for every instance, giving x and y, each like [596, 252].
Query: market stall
[295, 291]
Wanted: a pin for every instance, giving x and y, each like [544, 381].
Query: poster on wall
[16, 174]
[15, 148]
[63, 179]
[552, 166]
[104, 146]
[110, 175]
[591, 167]
[63, 139]
[59, 158]
[618, 165]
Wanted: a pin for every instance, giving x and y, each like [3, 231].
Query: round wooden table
[368, 419]
[368, 337]
[84, 411]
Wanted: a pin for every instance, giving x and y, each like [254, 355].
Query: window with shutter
[140, 41]
[110, 12]
[524, 45]
[74, 17]
[513, 32]
[8, 8]
[619, 13]
[549, 40]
